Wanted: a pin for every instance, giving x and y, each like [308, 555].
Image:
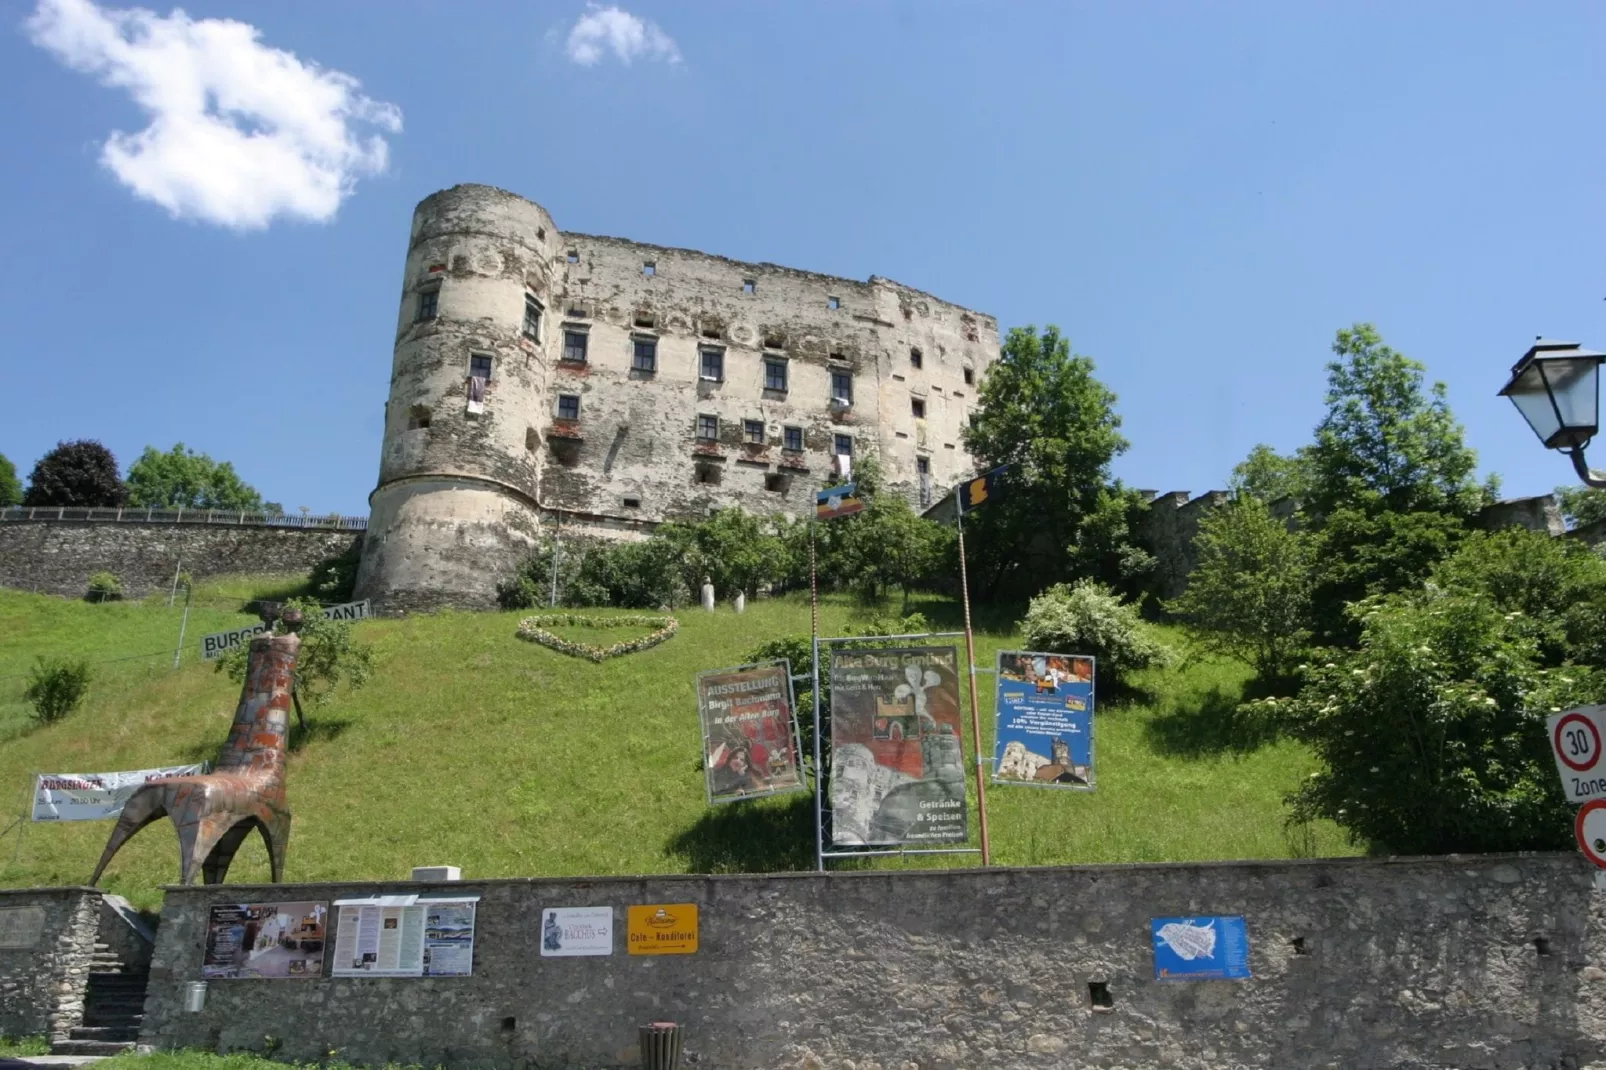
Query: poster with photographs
[264, 940]
[749, 732]
[1044, 716]
[897, 765]
[404, 936]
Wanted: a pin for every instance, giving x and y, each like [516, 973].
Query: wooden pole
[975, 710]
[814, 660]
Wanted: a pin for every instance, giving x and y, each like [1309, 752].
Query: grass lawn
[472, 747]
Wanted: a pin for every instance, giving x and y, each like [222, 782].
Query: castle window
[923, 466]
[712, 332]
[579, 313]
[574, 346]
[428, 304]
[713, 365]
[975, 420]
[532, 318]
[776, 481]
[531, 437]
[970, 376]
[632, 503]
[573, 256]
[793, 439]
[843, 446]
[479, 366]
[707, 427]
[710, 473]
[645, 357]
[915, 359]
[568, 406]
[417, 417]
[917, 408]
[774, 373]
[749, 286]
[753, 432]
[842, 388]
[649, 268]
[644, 319]
[833, 302]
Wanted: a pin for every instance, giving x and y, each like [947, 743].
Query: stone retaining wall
[47, 939]
[1466, 962]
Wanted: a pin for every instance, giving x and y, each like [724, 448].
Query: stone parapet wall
[44, 971]
[1496, 961]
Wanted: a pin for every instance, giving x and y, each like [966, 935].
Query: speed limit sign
[1576, 741]
[1590, 828]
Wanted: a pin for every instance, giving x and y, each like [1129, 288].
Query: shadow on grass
[1214, 724]
[319, 730]
[769, 836]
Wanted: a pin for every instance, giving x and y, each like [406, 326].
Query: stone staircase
[114, 1006]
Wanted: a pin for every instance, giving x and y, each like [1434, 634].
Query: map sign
[1200, 949]
[1575, 743]
[1045, 720]
[749, 732]
[897, 764]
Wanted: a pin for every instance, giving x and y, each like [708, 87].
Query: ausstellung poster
[897, 765]
[1044, 720]
[272, 940]
[749, 733]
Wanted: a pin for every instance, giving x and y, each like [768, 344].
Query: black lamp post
[1556, 387]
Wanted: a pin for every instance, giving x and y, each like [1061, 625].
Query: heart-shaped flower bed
[535, 630]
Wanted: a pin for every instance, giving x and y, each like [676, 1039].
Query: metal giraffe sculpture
[214, 812]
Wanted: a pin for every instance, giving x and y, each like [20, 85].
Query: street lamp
[1556, 388]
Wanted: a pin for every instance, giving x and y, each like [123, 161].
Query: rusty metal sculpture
[214, 812]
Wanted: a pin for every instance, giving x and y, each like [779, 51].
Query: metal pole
[975, 711]
[184, 623]
[177, 567]
[557, 527]
[814, 646]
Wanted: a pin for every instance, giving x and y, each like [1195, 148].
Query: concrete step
[115, 1033]
[55, 1062]
[114, 1021]
[91, 1047]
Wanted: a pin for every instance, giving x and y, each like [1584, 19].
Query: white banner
[219, 643]
[93, 796]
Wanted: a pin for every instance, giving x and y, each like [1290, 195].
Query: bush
[56, 686]
[335, 578]
[1432, 733]
[630, 575]
[104, 587]
[1089, 618]
[82, 473]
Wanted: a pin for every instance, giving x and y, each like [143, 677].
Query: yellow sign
[666, 929]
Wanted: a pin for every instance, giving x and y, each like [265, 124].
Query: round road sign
[1577, 742]
[1590, 828]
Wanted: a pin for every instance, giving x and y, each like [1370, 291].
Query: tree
[81, 473]
[1045, 415]
[1269, 476]
[1581, 505]
[1249, 594]
[182, 478]
[1385, 441]
[329, 656]
[1362, 553]
[10, 485]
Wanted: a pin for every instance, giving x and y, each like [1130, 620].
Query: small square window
[646, 355]
[579, 313]
[479, 366]
[923, 465]
[774, 374]
[707, 427]
[753, 432]
[568, 406]
[749, 286]
[428, 305]
[712, 332]
[644, 319]
[632, 503]
[713, 365]
[573, 256]
[774, 341]
[710, 473]
[833, 302]
[917, 408]
[532, 319]
[842, 388]
[417, 417]
[649, 268]
[916, 360]
[776, 481]
[794, 438]
[844, 445]
[970, 376]
[574, 346]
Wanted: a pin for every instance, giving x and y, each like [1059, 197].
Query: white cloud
[604, 29]
[240, 133]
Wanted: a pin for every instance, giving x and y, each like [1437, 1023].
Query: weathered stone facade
[47, 945]
[1496, 961]
[630, 384]
[58, 556]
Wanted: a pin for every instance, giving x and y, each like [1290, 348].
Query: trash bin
[660, 1046]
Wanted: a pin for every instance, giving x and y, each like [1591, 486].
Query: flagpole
[814, 660]
[970, 655]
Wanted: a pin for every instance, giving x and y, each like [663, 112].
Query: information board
[1200, 949]
[1044, 717]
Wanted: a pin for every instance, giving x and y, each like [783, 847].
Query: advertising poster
[264, 940]
[404, 936]
[569, 931]
[749, 732]
[1200, 949]
[1044, 722]
[897, 765]
[93, 796]
[662, 929]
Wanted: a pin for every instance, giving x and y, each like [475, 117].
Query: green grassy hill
[474, 748]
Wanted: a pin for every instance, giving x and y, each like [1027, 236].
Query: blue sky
[1199, 195]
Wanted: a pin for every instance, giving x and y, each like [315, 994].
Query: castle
[544, 379]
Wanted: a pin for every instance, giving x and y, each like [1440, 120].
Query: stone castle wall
[47, 942]
[1496, 961]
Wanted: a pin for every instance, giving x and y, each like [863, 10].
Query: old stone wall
[1496, 961]
[58, 556]
[47, 940]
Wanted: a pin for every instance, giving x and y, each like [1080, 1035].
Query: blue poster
[1044, 720]
[1200, 949]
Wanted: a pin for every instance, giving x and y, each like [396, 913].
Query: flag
[982, 489]
[476, 394]
[844, 465]
[833, 502]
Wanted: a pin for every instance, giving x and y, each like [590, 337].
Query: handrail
[226, 517]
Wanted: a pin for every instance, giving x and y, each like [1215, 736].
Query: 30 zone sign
[1575, 739]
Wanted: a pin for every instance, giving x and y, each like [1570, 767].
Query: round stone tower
[456, 506]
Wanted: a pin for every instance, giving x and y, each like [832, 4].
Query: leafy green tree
[10, 485]
[1581, 505]
[1270, 476]
[330, 656]
[82, 473]
[1045, 414]
[182, 478]
[1361, 553]
[1249, 594]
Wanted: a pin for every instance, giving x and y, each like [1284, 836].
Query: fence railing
[227, 517]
